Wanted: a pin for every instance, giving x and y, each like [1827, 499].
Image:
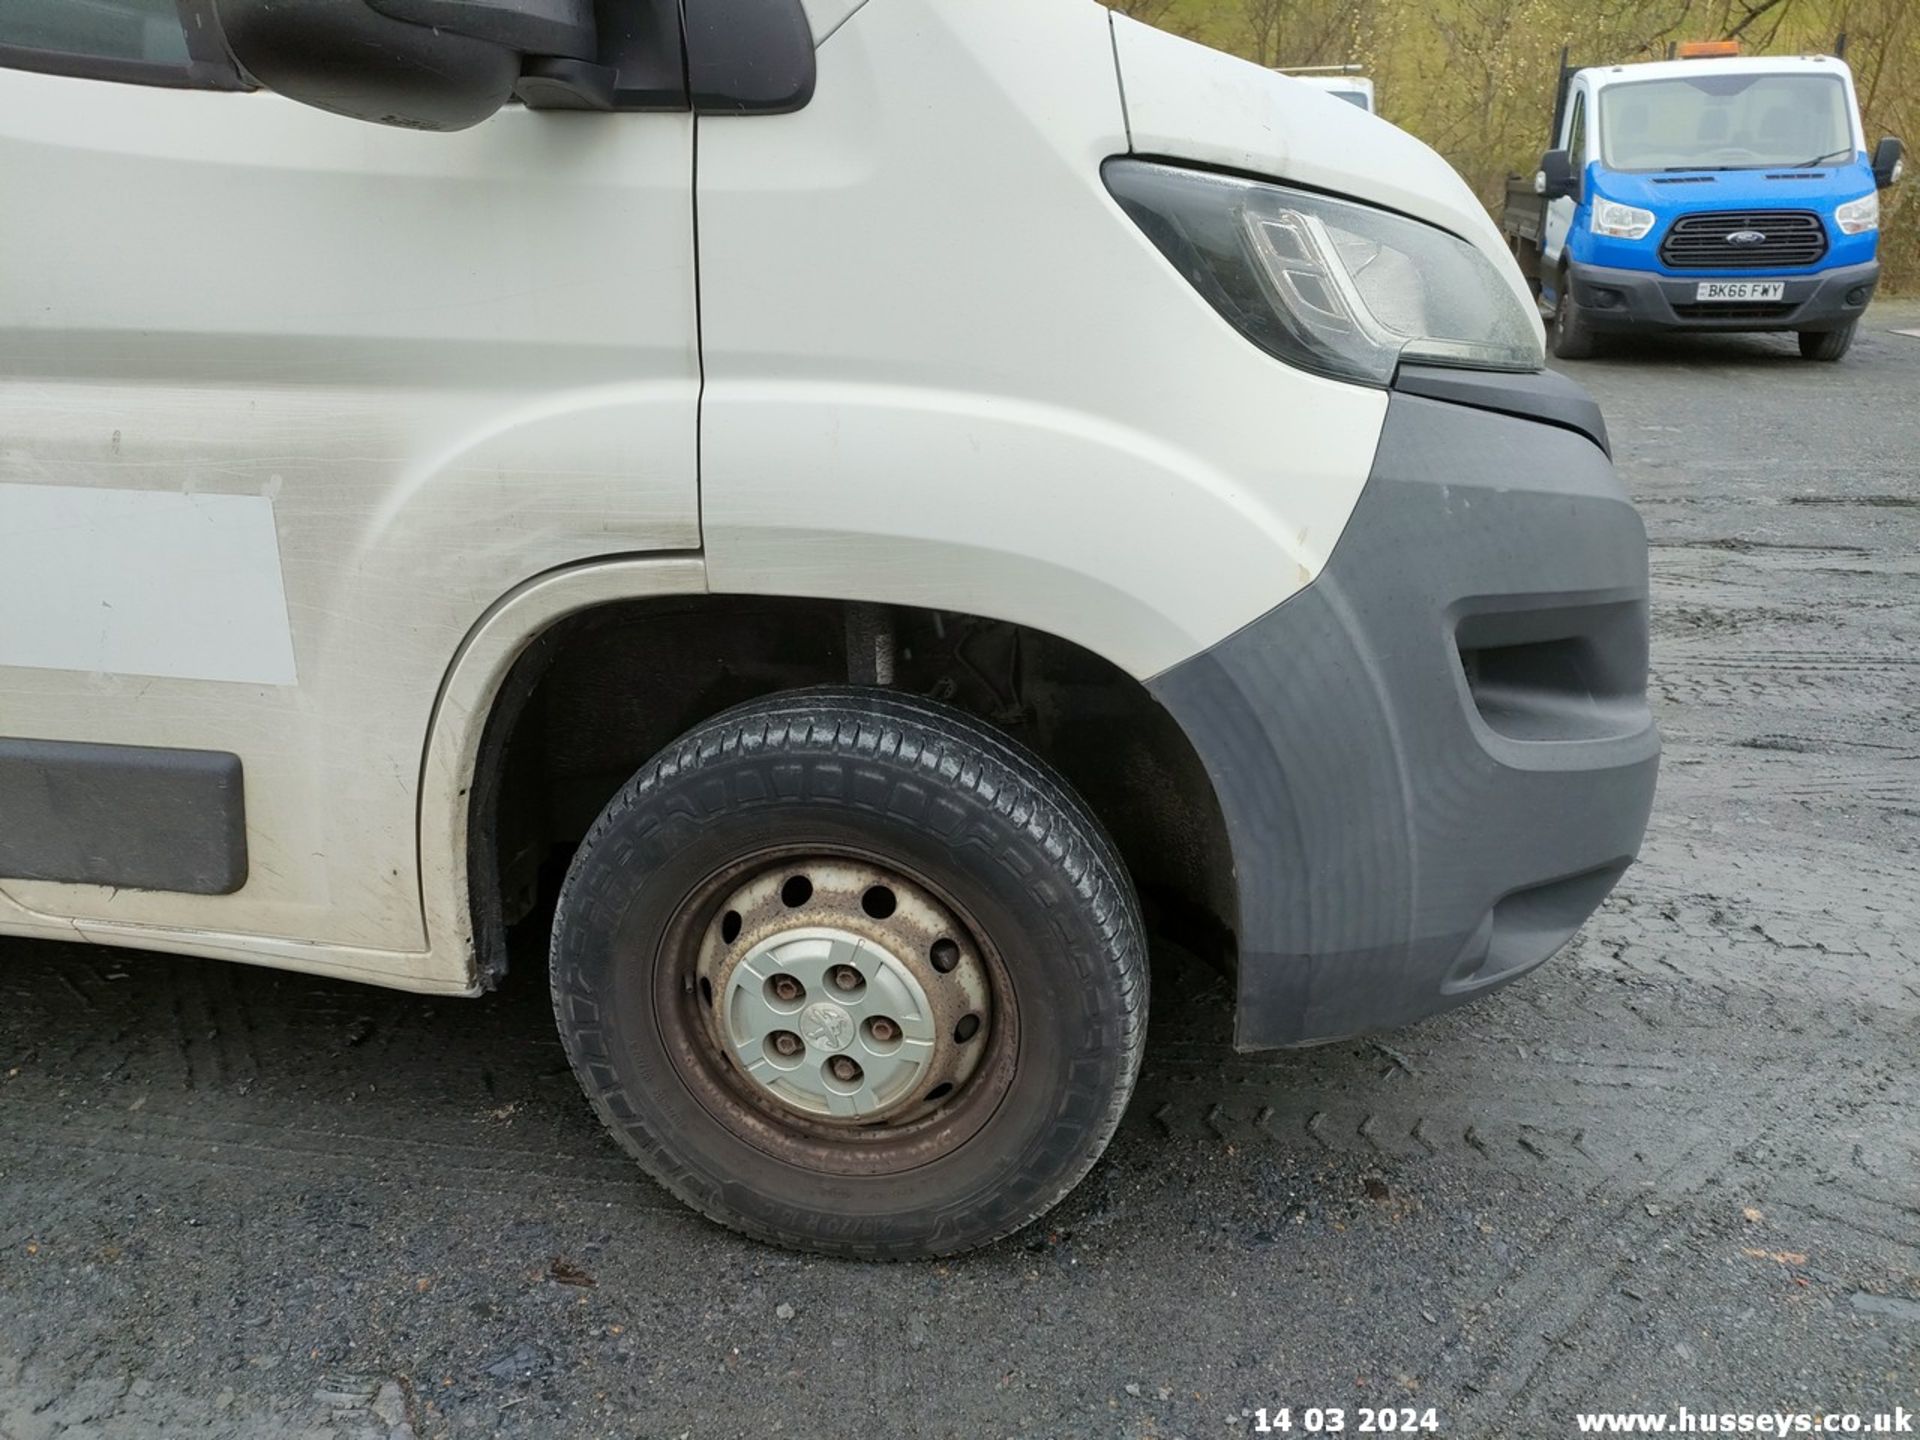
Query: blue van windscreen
[1726, 122]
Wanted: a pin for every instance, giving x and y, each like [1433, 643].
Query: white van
[1343, 82]
[874, 501]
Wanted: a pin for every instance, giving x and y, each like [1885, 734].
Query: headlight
[1623, 222]
[1856, 217]
[1329, 285]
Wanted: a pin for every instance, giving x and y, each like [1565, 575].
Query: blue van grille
[1707, 242]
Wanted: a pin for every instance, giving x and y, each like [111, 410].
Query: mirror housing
[1557, 180]
[1889, 161]
[421, 64]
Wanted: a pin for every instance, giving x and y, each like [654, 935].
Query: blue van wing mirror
[1557, 180]
[1889, 161]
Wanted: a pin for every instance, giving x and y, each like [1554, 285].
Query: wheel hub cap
[844, 993]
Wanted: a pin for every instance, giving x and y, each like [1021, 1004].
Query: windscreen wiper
[1832, 157]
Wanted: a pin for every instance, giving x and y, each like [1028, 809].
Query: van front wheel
[1573, 337]
[850, 972]
[1827, 344]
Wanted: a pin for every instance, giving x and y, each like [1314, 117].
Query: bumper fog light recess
[1606, 299]
[1576, 673]
[1528, 927]
[1857, 296]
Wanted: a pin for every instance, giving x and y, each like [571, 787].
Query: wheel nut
[884, 1030]
[787, 988]
[843, 1069]
[787, 1043]
[845, 977]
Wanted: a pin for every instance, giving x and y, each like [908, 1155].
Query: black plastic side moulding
[132, 816]
[748, 57]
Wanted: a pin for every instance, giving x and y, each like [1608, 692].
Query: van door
[1562, 211]
[287, 402]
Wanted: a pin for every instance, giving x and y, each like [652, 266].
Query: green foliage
[1475, 78]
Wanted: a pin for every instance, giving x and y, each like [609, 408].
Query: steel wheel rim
[927, 1110]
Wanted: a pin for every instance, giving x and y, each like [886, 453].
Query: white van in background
[851, 509]
[1343, 82]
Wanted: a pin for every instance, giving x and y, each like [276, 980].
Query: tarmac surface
[1680, 1165]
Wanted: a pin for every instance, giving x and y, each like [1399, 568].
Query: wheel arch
[576, 679]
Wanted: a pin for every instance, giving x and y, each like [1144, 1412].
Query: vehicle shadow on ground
[175, 1022]
[1692, 351]
[1736, 351]
[300, 1079]
[207, 1057]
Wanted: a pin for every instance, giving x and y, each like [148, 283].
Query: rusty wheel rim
[836, 1010]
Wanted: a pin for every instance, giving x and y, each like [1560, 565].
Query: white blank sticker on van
[142, 582]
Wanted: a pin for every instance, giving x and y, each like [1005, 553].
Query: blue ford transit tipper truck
[1707, 192]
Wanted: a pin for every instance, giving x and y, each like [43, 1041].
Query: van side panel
[397, 374]
[944, 369]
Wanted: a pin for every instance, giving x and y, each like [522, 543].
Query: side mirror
[1557, 180]
[422, 64]
[1889, 162]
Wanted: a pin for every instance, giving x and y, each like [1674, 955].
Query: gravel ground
[1679, 1165]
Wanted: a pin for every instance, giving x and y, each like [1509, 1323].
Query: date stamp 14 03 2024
[1338, 1420]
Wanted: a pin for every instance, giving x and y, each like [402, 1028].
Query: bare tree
[1263, 19]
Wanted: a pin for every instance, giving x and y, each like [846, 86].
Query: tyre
[1827, 344]
[852, 973]
[1573, 337]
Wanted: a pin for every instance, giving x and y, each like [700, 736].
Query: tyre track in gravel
[1521, 1083]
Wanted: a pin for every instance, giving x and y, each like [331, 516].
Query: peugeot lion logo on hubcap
[826, 1026]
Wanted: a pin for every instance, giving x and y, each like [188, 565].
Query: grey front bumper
[1641, 300]
[1436, 760]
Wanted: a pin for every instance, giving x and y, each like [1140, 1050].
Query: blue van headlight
[1856, 217]
[1329, 285]
[1622, 222]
